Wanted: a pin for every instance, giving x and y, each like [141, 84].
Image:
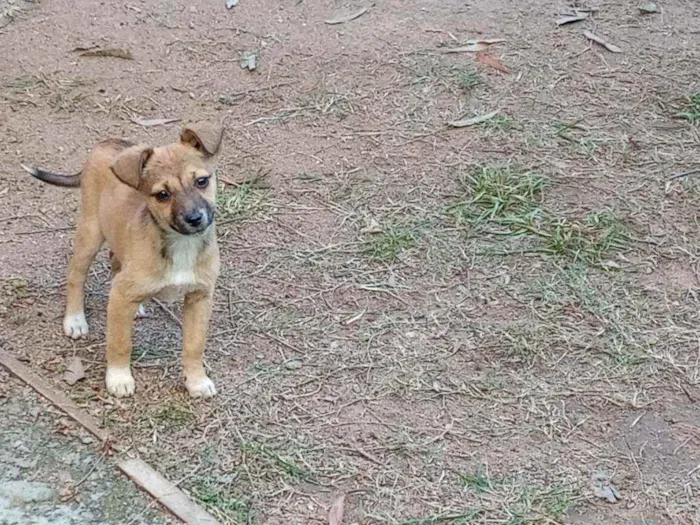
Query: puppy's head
[179, 186]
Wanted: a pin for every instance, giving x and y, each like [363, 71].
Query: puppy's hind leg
[88, 241]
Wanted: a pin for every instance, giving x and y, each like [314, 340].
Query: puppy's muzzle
[195, 218]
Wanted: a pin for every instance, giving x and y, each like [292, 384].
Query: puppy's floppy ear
[129, 165]
[204, 137]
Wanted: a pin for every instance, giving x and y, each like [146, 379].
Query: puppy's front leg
[120, 324]
[196, 315]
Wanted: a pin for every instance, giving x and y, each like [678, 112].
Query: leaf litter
[148, 122]
[343, 18]
[491, 61]
[603, 488]
[473, 121]
[602, 42]
[74, 371]
[577, 16]
[474, 46]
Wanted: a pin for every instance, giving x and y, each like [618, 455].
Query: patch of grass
[262, 371]
[59, 93]
[497, 194]
[23, 84]
[498, 124]
[12, 290]
[82, 394]
[479, 481]
[240, 202]
[425, 72]
[573, 132]
[598, 236]
[691, 109]
[173, 414]
[326, 102]
[532, 502]
[589, 146]
[523, 341]
[220, 499]
[454, 518]
[570, 285]
[390, 243]
[509, 198]
[592, 240]
[522, 502]
[288, 467]
[467, 79]
[620, 355]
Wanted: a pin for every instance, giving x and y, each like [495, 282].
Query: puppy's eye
[202, 182]
[162, 196]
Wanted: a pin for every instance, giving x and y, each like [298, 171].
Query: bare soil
[446, 325]
[53, 471]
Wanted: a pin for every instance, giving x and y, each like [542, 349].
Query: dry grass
[448, 325]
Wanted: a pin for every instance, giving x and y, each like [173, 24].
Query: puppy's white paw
[140, 313]
[75, 325]
[200, 387]
[120, 382]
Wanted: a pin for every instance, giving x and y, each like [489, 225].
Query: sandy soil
[448, 325]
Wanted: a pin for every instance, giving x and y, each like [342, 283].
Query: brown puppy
[155, 209]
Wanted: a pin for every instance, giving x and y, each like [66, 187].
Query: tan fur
[151, 256]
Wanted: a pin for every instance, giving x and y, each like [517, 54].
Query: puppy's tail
[57, 179]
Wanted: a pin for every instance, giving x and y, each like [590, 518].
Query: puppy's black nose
[195, 218]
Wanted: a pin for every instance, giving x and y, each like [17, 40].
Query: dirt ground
[484, 324]
[52, 473]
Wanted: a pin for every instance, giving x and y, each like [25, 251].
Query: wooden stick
[57, 398]
[166, 493]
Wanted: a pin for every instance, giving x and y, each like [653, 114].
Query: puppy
[154, 207]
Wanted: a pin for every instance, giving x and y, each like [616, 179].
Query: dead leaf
[648, 9]
[603, 488]
[487, 41]
[341, 19]
[474, 120]
[147, 122]
[335, 514]
[600, 41]
[474, 46]
[249, 61]
[489, 60]
[74, 371]
[231, 4]
[114, 53]
[372, 226]
[569, 19]
[610, 265]
[471, 48]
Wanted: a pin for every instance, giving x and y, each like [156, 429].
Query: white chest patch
[180, 276]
